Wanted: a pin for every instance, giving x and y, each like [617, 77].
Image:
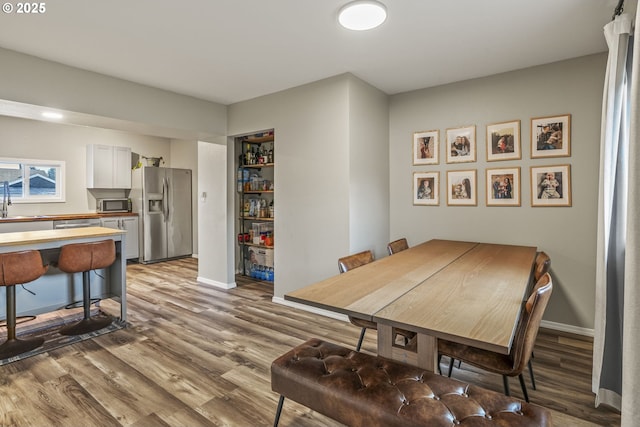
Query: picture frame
[425, 147]
[551, 185]
[461, 144]
[426, 188]
[503, 187]
[503, 141]
[551, 136]
[462, 188]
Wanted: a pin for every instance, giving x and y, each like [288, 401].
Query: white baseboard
[310, 309]
[561, 327]
[216, 283]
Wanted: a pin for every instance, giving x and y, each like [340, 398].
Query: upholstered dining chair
[513, 364]
[542, 265]
[397, 246]
[349, 263]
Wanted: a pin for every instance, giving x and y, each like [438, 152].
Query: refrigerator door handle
[165, 198]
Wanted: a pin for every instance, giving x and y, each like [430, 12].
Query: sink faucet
[6, 199]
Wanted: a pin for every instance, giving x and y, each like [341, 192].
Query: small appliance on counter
[113, 205]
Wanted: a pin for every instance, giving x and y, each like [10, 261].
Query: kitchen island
[55, 290]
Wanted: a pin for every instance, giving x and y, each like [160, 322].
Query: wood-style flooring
[196, 355]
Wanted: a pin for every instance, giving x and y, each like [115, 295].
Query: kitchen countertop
[61, 217]
[56, 289]
[42, 236]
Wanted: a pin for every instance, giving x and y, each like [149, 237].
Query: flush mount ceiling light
[362, 15]
[52, 115]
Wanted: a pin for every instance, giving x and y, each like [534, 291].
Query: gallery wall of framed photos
[550, 185]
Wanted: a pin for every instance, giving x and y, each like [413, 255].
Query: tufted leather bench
[359, 389]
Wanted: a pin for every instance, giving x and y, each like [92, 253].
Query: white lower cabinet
[12, 227]
[130, 224]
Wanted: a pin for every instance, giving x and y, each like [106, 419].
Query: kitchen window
[33, 181]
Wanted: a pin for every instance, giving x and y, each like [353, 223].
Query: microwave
[113, 205]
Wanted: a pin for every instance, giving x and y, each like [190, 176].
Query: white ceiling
[233, 50]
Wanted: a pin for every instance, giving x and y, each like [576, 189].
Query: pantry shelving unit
[255, 188]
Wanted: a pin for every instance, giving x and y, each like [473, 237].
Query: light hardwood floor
[196, 355]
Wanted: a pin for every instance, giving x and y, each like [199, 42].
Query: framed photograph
[462, 188]
[425, 147]
[426, 188]
[551, 185]
[461, 145]
[503, 141]
[503, 187]
[551, 136]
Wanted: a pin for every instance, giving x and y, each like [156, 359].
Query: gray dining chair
[512, 364]
[397, 246]
[358, 260]
[542, 267]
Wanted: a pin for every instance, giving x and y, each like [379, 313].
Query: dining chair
[542, 266]
[358, 260]
[513, 364]
[397, 246]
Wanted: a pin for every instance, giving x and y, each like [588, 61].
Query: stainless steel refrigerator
[164, 208]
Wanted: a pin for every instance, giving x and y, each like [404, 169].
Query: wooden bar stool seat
[18, 268]
[82, 258]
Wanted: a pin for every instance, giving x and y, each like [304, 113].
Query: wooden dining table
[467, 292]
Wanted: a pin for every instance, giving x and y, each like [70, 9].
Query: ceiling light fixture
[362, 15]
[52, 115]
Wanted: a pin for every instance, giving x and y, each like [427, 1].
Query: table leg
[385, 341]
[428, 352]
[426, 356]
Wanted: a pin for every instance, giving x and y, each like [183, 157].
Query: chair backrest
[77, 257]
[17, 268]
[530, 318]
[354, 261]
[397, 246]
[543, 264]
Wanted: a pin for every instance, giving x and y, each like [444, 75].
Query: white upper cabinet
[108, 166]
[121, 167]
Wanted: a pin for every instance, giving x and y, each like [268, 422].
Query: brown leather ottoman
[363, 390]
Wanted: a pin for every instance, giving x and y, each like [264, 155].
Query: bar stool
[82, 258]
[18, 268]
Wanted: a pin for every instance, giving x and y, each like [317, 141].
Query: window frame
[59, 165]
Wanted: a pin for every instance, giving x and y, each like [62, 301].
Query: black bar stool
[18, 268]
[82, 258]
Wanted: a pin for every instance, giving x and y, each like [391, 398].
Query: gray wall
[31, 139]
[368, 168]
[215, 250]
[32, 80]
[567, 234]
[317, 143]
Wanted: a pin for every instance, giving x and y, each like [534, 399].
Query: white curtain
[631, 336]
[616, 375]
